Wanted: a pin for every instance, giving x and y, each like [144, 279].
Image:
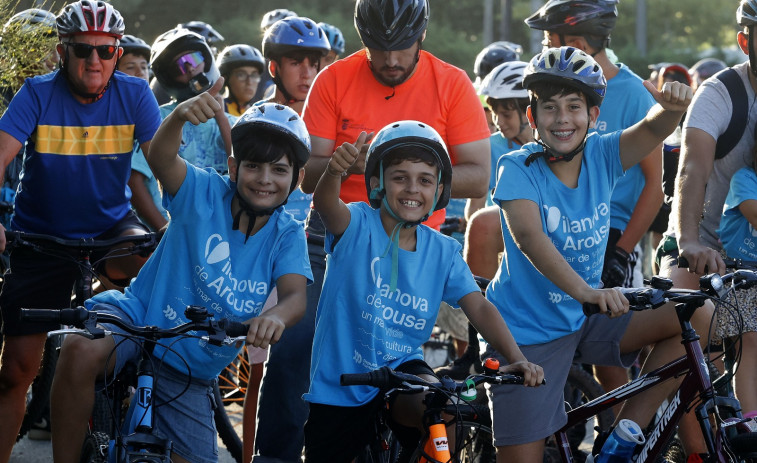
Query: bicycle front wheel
[475, 443]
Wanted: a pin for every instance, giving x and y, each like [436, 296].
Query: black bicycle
[131, 437]
[80, 252]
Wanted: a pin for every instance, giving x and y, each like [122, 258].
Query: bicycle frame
[695, 384]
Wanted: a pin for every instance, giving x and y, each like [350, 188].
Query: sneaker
[462, 367]
[40, 430]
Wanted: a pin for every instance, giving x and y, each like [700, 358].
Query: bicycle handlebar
[711, 286]
[386, 378]
[146, 241]
[86, 322]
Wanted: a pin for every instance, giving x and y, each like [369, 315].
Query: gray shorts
[540, 411]
[186, 419]
[453, 321]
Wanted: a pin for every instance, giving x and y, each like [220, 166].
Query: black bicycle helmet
[166, 47]
[493, 55]
[135, 46]
[204, 29]
[390, 25]
[238, 55]
[577, 17]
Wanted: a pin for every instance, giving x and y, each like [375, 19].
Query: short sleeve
[147, 115]
[139, 163]
[193, 196]
[21, 116]
[460, 282]
[466, 121]
[744, 186]
[515, 181]
[292, 256]
[319, 112]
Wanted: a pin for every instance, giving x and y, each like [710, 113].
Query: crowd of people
[301, 191]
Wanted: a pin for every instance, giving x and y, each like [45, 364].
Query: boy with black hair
[554, 195]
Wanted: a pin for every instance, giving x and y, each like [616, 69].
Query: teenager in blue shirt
[385, 277]
[228, 244]
[555, 197]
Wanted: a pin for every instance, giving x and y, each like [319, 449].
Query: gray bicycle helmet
[204, 29]
[90, 17]
[390, 25]
[32, 20]
[238, 55]
[407, 134]
[275, 15]
[577, 17]
[505, 81]
[136, 46]
[166, 47]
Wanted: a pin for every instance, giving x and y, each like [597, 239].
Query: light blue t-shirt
[139, 164]
[202, 261]
[576, 220]
[202, 145]
[499, 147]
[360, 325]
[626, 103]
[738, 236]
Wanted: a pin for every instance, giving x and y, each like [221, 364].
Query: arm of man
[320, 154]
[9, 147]
[648, 204]
[333, 211]
[694, 168]
[267, 328]
[163, 156]
[637, 141]
[470, 174]
[487, 320]
[141, 201]
[524, 222]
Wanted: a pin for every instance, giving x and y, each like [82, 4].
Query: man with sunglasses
[79, 124]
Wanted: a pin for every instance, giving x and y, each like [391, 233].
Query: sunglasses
[189, 61]
[84, 50]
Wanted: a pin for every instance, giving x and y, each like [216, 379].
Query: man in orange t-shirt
[390, 80]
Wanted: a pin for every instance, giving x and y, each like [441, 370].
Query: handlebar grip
[590, 309]
[683, 262]
[236, 329]
[356, 379]
[63, 316]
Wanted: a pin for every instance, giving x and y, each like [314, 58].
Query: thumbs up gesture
[674, 96]
[203, 107]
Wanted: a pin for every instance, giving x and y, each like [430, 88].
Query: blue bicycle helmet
[335, 37]
[166, 47]
[391, 25]
[568, 66]
[294, 34]
[274, 117]
[407, 134]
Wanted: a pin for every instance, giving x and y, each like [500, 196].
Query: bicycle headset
[88, 17]
[166, 47]
[594, 20]
[565, 66]
[261, 121]
[293, 35]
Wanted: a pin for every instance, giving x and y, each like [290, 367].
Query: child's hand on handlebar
[610, 301]
[265, 330]
[533, 374]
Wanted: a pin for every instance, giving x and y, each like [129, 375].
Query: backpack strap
[739, 116]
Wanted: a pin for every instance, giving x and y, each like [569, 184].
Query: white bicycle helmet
[505, 81]
[90, 17]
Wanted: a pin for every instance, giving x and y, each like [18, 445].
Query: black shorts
[41, 281]
[337, 434]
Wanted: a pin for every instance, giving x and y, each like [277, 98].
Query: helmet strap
[752, 57]
[249, 209]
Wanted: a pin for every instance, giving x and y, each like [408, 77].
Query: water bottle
[618, 447]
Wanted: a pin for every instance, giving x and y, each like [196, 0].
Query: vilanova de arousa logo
[596, 225]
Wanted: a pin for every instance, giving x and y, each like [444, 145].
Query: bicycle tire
[225, 428]
[233, 380]
[38, 397]
[580, 388]
[95, 448]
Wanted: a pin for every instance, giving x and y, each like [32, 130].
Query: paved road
[31, 451]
